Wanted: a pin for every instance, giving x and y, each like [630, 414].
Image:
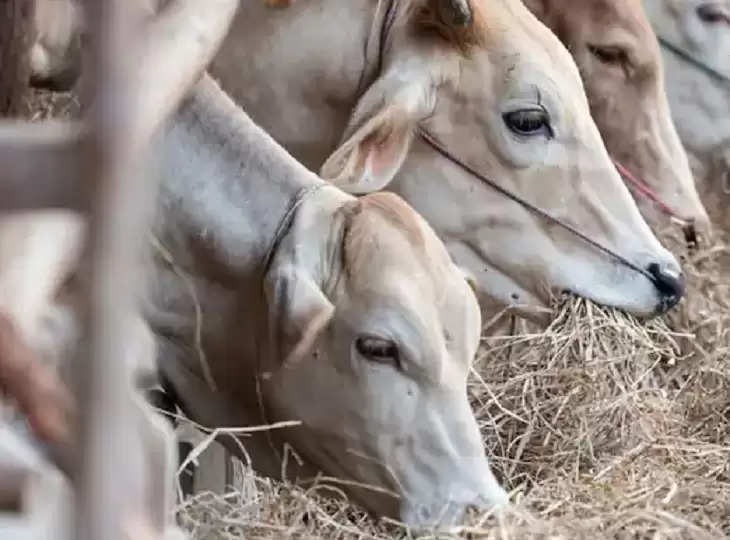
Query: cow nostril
[670, 284]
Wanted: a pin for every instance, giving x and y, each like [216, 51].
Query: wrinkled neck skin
[314, 105]
[226, 187]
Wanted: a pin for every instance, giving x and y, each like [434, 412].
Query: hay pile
[596, 422]
[599, 426]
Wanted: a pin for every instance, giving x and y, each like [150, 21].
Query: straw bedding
[601, 427]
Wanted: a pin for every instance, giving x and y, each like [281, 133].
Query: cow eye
[713, 13]
[382, 351]
[528, 122]
[611, 55]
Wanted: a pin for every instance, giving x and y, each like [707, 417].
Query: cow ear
[372, 156]
[380, 131]
[298, 311]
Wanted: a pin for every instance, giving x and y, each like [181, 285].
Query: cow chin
[530, 291]
[406, 480]
[615, 287]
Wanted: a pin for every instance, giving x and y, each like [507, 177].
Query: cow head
[503, 94]
[619, 59]
[375, 335]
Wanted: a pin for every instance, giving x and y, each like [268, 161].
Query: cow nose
[669, 281]
[440, 512]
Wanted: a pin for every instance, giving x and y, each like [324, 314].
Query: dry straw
[600, 426]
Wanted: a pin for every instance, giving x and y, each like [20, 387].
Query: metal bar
[111, 484]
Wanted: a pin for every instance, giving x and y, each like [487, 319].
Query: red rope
[644, 189]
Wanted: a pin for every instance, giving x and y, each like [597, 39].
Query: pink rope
[644, 189]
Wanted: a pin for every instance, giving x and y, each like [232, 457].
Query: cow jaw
[394, 416]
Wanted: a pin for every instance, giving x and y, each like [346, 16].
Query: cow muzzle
[479, 491]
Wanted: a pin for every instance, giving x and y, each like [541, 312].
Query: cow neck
[228, 197]
[227, 183]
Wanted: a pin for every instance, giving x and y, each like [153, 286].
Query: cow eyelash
[529, 122]
[379, 350]
[612, 55]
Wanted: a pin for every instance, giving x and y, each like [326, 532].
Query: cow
[475, 113]
[347, 314]
[620, 63]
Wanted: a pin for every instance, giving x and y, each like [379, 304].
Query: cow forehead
[506, 40]
[434, 299]
[390, 261]
[390, 252]
[617, 22]
[608, 14]
[497, 26]
[388, 235]
[519, 38]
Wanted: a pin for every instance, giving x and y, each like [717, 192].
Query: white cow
[695, 35]
[346, 314]
[347, 87]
